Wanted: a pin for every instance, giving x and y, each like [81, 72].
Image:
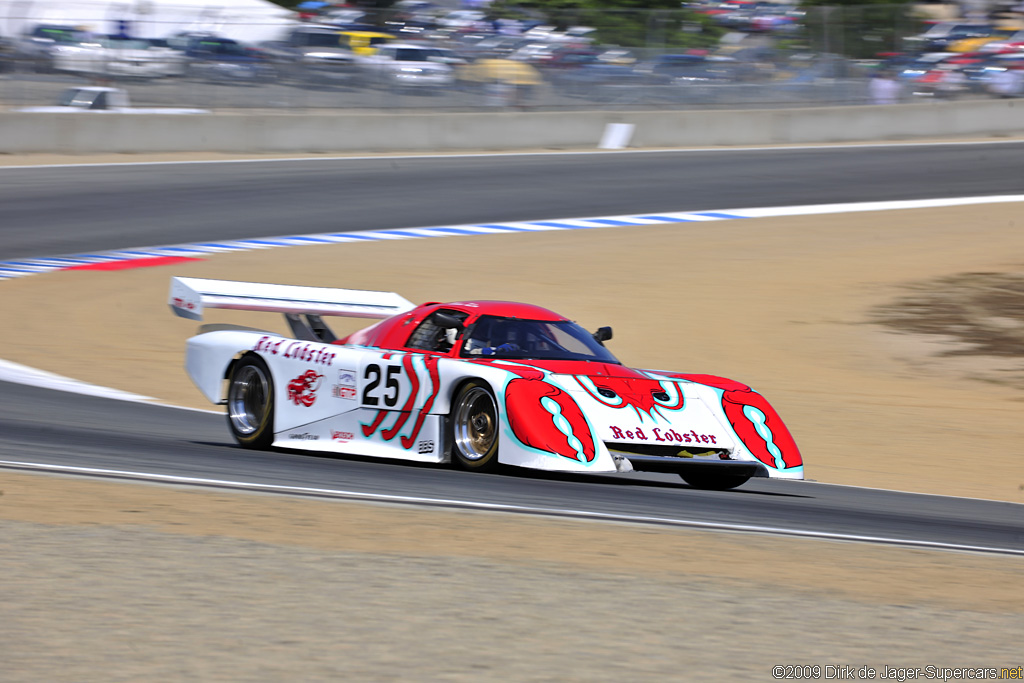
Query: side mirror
[446, 320]
[602, 335]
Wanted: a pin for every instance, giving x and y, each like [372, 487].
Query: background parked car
[35, 50]
[973, 44]
[222, 60]
[365, 43]
[314, 54]
[408, 65]
[582, 71]
[941, 36]
[676, 68]
[988, 74]
[102, 99]
[110, 57]
[8, 55]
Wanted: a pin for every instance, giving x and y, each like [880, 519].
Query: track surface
[100, 433]
[53, 211]
[56, 211]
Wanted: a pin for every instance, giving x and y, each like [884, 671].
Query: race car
[471, 383]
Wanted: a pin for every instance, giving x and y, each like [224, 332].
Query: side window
[438, 331]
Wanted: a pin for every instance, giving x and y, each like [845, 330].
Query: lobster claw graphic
[544, 417]
[761, 429]
[302, 389]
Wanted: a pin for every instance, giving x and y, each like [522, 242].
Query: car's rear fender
[210, 356]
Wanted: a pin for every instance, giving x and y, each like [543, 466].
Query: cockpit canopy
[497, 337]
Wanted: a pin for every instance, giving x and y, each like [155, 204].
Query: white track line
[33, 266]
[897, 205]
[23, 374]
[500, 507]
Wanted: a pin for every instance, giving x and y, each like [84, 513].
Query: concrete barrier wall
[85, 132]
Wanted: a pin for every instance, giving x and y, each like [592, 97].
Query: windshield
[220, 47]
[319, 39]
[60, 35]
[417, 54]
[90, 99]
[513, 338]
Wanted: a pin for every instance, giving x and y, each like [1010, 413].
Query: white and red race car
[474, 383]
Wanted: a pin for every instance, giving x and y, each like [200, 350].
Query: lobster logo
[302, 389]
[544, 417]
[643, 396]
[761, 429]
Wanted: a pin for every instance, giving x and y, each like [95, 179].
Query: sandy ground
[117, 582]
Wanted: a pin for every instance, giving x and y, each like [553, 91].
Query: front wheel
[714, 482]
[473, 428]
[251, 403]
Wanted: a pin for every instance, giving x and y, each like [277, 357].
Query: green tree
[864, 29]
[629, 23]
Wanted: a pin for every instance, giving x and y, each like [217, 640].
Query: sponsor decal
[183, 303]
[663, 435]
[425, 447]
[343, 437]
[302, 389]
[305, 436]
[346, 386]
[308, 352]
[755, 422]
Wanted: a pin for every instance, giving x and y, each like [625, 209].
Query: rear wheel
[251, 403]
[473, 428]
[714, 482]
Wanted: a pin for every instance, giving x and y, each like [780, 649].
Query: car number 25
[382, 385]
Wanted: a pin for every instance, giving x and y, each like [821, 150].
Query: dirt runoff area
[118, 582]
[862, 330]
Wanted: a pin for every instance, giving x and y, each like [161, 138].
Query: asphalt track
[51, 211]
[38, 425]
[46, 211]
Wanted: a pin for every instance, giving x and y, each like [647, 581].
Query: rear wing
[189, 297]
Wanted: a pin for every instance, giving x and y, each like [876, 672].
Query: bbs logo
[425, 447]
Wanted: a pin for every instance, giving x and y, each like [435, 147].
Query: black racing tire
[250, 405]
[712, 482]
[473, 428]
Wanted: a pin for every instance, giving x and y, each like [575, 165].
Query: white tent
[244, 20]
